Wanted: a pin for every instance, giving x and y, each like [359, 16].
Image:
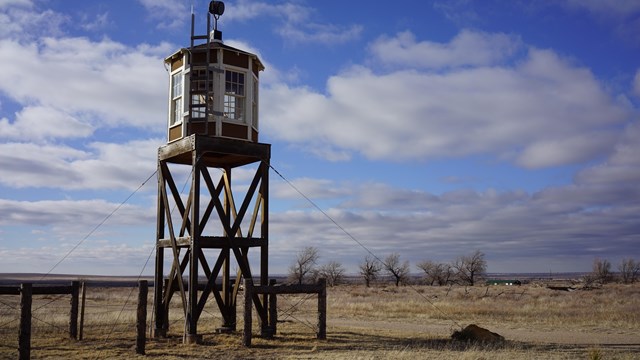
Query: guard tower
[205, 234]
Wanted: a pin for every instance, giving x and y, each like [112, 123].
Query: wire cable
[447, 316]
[98, 226]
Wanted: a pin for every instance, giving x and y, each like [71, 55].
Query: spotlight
[216, 8]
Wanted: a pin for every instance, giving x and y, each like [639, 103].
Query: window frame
[229, 94]
[177, 99]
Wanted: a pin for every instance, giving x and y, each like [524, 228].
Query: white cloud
[636, 84]
[100, 21]
[538, 105]
[616, 9]
[312, 188]
[15, 3]
[105, 166]
[468, 48]
[246, 10]
[79, 214]
[169, 14]
[297, 22]
[117, 84]
[39, 122]
[17, 18]
[572, 221]
[320, 33]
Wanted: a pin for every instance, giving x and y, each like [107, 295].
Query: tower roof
[216, 45]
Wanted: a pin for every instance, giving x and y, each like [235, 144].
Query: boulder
[474, 333]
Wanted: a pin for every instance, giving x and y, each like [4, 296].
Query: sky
[430, 129]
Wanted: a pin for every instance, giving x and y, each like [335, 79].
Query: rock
[474, 333]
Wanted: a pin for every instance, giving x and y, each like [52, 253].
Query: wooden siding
[176, 63]
[175, 132]
[236, 59]
[234, 130]
[201, 57]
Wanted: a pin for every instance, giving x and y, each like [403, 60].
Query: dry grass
[363, 323]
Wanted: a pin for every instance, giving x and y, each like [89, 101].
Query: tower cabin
[213, 90]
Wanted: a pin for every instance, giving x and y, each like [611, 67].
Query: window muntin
[199, 84]
[199, 80]
[176, 98]
[234, 96]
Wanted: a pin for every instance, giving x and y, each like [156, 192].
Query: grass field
[362, 323]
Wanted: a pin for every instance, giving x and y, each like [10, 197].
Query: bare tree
[629, 270]
[602, 270]
[304, 264]
[469, 267]
[333, 272]
[369, 269]
[435, 273]
[399, 271]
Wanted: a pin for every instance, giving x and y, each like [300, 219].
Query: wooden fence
[272, 291]
[26, 292]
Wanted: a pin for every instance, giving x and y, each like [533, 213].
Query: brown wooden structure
[212, 131]
[207, 231]
[26, 292]
[272, 291]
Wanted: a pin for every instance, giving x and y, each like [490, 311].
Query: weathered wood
[141, 316]
[248, 296]
[195, 231]
[289, 289]
[264, 224]
[273, 290]
[24, 333]
[83, 293]
[9, 290]
[73, 313]
[185, 228]
[273, 310]
[213, 242]
[221, 151]
[160, 320]
[322, 309]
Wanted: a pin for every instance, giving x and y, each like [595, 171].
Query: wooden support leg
[248, 304]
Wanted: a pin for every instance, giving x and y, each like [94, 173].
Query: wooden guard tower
[212, 130]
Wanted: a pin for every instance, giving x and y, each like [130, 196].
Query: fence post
[143, 288]
[248, 303]
[24, 334]
[73, 314]
[83, 294]
[273, 309]
[322, 309]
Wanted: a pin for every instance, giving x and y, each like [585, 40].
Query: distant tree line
[465, 270]
[305, 268]
[628, 271]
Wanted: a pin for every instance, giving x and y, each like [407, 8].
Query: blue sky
[427, 128]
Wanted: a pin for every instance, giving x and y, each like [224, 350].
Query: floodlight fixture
[216, 8]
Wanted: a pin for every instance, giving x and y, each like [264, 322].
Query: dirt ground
[382, 322]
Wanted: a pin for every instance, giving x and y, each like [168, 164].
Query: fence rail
[26, 292]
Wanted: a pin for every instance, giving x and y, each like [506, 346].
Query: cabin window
[254, 104]
[199, 88]
[176, 98]
[234, 96]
